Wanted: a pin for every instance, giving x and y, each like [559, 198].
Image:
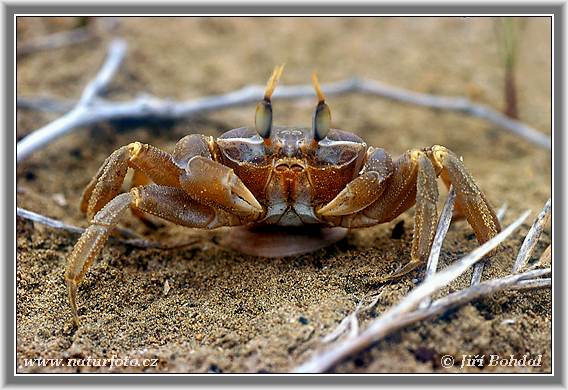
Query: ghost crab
[284, 176]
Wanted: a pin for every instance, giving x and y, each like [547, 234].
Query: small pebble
[166, 288]
[59, 198]
[303, 320]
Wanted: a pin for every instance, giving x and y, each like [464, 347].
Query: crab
[277, 176]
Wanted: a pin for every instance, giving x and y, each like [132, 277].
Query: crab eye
[263, 114]
[263, 119]
[321, 120]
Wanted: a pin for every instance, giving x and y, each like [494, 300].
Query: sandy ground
[225, 312]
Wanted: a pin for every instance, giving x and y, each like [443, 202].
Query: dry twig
[532, 237]
[134, 240]
[391, 319]
[145, 106]
[441, 231]
[83, 113]
[350, 322]
[524, 281]
[54, 223]
[44, 103]
[478, 268]
[443, 226]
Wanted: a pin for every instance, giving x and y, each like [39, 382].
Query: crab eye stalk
[263, 114]
[321, 120]
[263, 119]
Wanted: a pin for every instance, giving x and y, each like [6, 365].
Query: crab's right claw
[216, 185]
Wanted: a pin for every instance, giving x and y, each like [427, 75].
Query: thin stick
[328, 360]
[149, 106]
[478, 268]
[383, 325]
[44, 103]
[134, 241]
[80, 114]
[146, 106]
[527, 248]
[443, 226]
[350, 321]
[54, 223]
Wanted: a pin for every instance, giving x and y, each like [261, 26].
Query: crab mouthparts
[292, 164]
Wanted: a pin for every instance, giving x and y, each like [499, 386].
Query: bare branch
[145, 107]
[54, 223]
[443, 226]
[515, 282]
[328, 360]
[478, 268]
[384, 324]
[477, 273]
[134, 238]
[45, 104]
[350, 321]
[527, 248]
[116, 53]
[80, 115]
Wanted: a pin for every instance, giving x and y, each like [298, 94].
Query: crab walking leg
[139, 179]
[413, 182]
[91, 243]
[364, 189]
[471, 200]
[156, 164]
[398, 196]
[426, 214]
[169, 203]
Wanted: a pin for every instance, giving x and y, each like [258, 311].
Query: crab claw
[216, 185]
[357, 195]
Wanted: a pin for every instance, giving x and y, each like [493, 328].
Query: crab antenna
[319, 92]
[321, 120]
[263, 114]
[273, 81]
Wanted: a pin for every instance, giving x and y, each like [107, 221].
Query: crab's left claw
[364, 189]
[216, 185]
